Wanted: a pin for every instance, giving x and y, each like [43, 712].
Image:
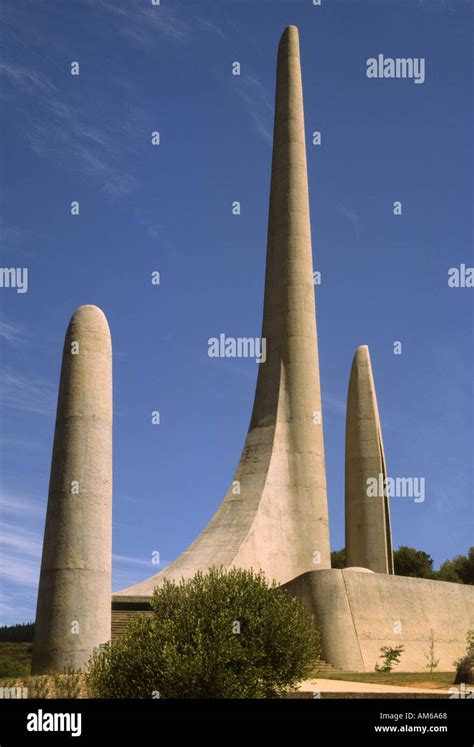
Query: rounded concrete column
[368, 532]
[73, 613]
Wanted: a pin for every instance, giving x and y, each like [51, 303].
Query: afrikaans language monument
[278, 519]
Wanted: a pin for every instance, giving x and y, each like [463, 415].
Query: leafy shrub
[10, 667]
[390, 657]
[217, 635]
[465, 665]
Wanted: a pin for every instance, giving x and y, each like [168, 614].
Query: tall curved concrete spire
[274, 517]
[368, 533]
[73, 613]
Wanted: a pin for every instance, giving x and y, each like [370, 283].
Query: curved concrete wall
[358, 613]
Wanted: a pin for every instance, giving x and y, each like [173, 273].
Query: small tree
[411, 562]
[465, 665]
[338, 558]
[430, 654]
[460, 569]
[390, 657]
[217, 635]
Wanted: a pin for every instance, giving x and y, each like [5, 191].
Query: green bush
[390, 657]
[465, 665]
[217, 635]
[10, 667]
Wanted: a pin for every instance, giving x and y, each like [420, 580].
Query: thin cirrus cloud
[351, 215]
[19, 574]
[18, 391]
[13, 608]
[13, 505]
[25, 80]
[258, 105]
[142, 24]
[62, 131]
[19, 540]
[12, 238]
[126, 570]
[28, 394]
[334, 405]
[20, 557]
[11, 332]
[128, 560]
[20, 554]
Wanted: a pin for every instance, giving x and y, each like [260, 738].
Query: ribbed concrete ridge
[278, 521]
[73, 612]
[368, 533]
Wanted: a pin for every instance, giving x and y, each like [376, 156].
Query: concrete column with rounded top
[73, 613]
[368, 532]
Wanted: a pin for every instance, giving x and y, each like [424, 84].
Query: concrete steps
[324, 667]
[121, 618]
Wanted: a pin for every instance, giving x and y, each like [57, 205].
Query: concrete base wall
[359, 612]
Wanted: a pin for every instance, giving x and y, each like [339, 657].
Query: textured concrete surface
[73, 612]
[358, 613]
[368, 533]
[279, 520]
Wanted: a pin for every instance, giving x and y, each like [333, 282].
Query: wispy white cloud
[206, 25]
[25, 80]
[20, 443]
[439, 6]
[10, 235]
[20, 540]
[142, 25]
[127, 560]
[26, 393]
[351, 215]
[69, 132]
[63, 131]
[88, 148]
[258, 102]
[19, 571]
[15, 609]
[334, 405]
[123, 577]
[21, 507]
[17, 602]
[12, 332]
[20, 558]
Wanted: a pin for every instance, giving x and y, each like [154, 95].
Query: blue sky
[167, 68]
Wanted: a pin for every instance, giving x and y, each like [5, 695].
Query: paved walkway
[342, 686]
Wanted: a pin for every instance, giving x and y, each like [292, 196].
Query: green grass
[21, 653]
[15, 659]
[438, 680]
